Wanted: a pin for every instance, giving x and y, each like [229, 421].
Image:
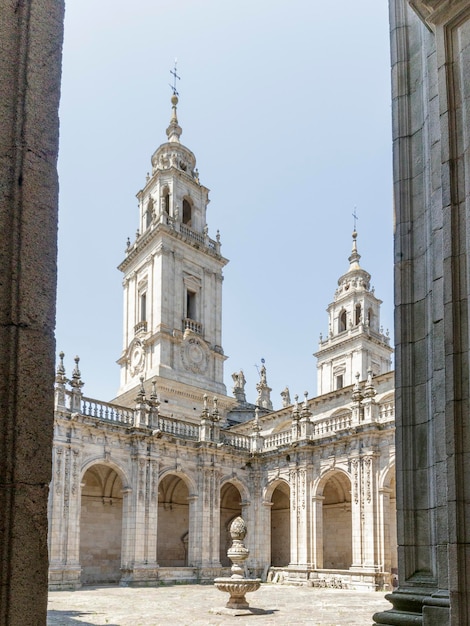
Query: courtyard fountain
[237, 585]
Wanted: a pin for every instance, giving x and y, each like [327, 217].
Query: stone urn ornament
[237, 585]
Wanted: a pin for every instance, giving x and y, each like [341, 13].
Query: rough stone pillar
[30, 62]
[431, 133]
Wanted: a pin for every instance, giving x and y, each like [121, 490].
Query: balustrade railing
[277, 439]
[107, 411]
[332, 424]
[190, 324]
[242, 442]
[177, 428]
[387, 412]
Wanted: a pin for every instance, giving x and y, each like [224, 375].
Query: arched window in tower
[357, 314]
[370, 318]
[187, 212]
[149, 213]
[342, 321]
[166, 201]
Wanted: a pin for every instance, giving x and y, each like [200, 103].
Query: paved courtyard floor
[190, 605]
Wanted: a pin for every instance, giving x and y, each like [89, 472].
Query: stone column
[356, 511]
[31, 41]
[139, 544]
[317, 532]
[64, 519]
[431, 132]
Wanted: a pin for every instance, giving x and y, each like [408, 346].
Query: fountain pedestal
[237, 585]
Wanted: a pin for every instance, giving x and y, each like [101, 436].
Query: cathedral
[145, 487]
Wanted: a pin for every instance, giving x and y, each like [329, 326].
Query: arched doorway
[101, 525]
[173, 522]
[280, 525]
[337, 522]
[230, 507]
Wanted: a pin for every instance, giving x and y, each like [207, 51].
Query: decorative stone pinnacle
[357, 395]
[174, 130]
[61, 378]
[355, 256]
[76, 381]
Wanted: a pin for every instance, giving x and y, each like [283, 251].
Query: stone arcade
[144, 488]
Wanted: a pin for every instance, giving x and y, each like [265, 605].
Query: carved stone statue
[239, 381]
[286, 397]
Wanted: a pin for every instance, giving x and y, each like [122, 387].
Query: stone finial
[174, 130]
[61, 378]
[357, 395]
[154, 404]
[369, 389]
[76, 382]
[295, 408]
[215, 409]
[141, 393]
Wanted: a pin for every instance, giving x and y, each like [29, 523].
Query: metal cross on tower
[355, 218]
[175, 76]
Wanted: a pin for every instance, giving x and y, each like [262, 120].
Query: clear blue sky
[286, 105]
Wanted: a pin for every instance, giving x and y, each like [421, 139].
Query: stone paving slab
[190, 605]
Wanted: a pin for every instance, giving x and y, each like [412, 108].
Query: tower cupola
[356, 341]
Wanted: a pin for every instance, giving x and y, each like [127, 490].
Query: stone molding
[439, 12]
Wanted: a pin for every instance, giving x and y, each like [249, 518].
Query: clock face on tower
[194, 354]
[136, 358]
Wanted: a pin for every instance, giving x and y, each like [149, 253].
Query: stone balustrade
[332, 424]
[242, 442]
[178, 428]
[277, 439]
[107, 411]
[387, 412]
[195, 327]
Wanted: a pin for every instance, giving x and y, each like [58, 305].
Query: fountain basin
[237, 588]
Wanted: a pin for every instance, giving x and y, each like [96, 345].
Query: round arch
[98, 460]
[101, 522]
[175, 489]
[239, 484]
[232, 495]
[277, 494]
[333, 489]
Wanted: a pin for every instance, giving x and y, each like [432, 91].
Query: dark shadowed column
[30, 60]
[431, 138]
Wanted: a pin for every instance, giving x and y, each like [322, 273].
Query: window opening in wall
[149, 213]
[339, 382]
[358, 312]
[190, 304]
[166, 201]
[342, 322]
[369, 317]
[187, 213]
[143, 307]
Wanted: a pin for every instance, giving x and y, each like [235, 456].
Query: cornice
[439, 12]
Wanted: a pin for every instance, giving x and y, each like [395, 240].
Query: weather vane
[175, 76]
[355, 218]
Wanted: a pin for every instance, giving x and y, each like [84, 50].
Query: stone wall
[30, 66]
[431, 132]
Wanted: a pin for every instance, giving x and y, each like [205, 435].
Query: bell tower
[173, 281]
[355, 341]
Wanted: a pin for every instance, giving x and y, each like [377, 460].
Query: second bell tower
[173, 280]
